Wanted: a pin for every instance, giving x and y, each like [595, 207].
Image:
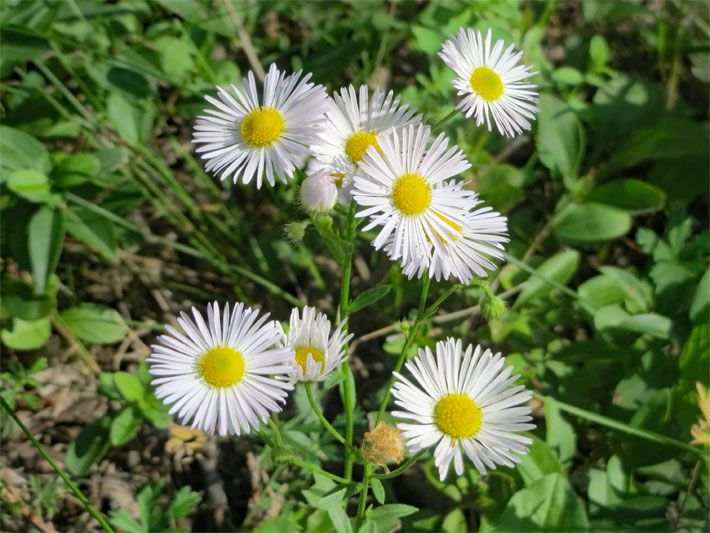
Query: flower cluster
[377, 151]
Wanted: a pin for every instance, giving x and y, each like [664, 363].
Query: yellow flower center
[338, 179]
[411, 194]
[221, 367]
[262, 126]
[357, 145]
[487, 84]
[457, 416]
[302, 357]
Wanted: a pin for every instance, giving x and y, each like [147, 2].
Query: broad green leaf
[428, 40]
[340, 520]
[22, 151]
[454, 522]
[635, 289]
[609, 316]
[649, 323]
[392, 510]
[369, 297]
[561, 436]
[44, 240]
[559, 268]
[598, 292]
[630, 195]
[92, 229]
[567, 76]
[599, 54]
[88, 448]
[94, 323]
[124, 425]
[20, 300]
[559, 138]
[591, 223]
[700, 307]
[27, 335]
[32, 185]
[76, 169]
[19, 45]
[107, 387]
[549, 504]
[132, 121]
[378, 490]
[538, 462]
[175, 56]
[129, 386]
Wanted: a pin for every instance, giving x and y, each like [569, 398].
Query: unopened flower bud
[282, 455]
[295, 231]
[319, 193]
[492, 307]
[383, 445]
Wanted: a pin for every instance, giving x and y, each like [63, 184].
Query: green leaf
[599, 54]
[27, 335]
[94, 323]
[392, 510]
[20, 300]
[369, 297]
[338, 247]
[559, 268]
[700, 308]
[428, 40]
[107, 387]
[636, 290]
[184, 503]
[175, 56]
[567, 76]
[454, 522]
[538, 462]
[76, 169]
[22, 151]
[20, 45]
[378, 490]
[124, 425]
[123, 521]
[609, 316]
[32, 185]
[598, 292]
[630, 195]
[92, 229]
[559, 138]
[129, 386]
[649, 323]
[591, 223]
[549, 504]
[45, 238]
[340, 520]
[88, 448]
[561, 436]
[133, 122]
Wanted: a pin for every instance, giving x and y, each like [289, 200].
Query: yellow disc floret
[487, 84]
[262, 126]
[302, 357]
[411, 194]
[457, 416]
[357, 145]
[221, 367]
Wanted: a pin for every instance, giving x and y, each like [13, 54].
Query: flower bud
[383, 445]
[492, 307]
[318, 193]
[295, 231]
[282, 455]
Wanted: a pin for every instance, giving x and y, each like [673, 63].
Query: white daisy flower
[355, 123]
[403, 189]
[463, 403]
[470, 253]
[344, 186]
[491, 82]
[217, 374]
[315, 352]
[244, 139]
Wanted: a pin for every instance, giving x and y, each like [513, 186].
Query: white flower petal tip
[494, 87]
[245, 138]
[218, 374]
[314, 351]
[463, 402]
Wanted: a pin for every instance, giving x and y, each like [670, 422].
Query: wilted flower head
[383, 445]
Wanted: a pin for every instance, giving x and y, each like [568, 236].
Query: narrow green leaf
[630, 195]
[700, 307]
[93, 230]
[340, 520]
[392, 510]
[45, 238]
[369, 297]
[378, 490]
[88, 448]
[649, 323]
[559, 138]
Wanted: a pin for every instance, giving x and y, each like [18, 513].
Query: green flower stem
[77, 492]
[411, 334]
[320, 416]
[277, 432]
[321, 472]
[444, 120]
[362, 501]
[413, 459]
[626, 428]
[344, 311]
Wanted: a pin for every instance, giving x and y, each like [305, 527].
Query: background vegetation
[110, 227]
